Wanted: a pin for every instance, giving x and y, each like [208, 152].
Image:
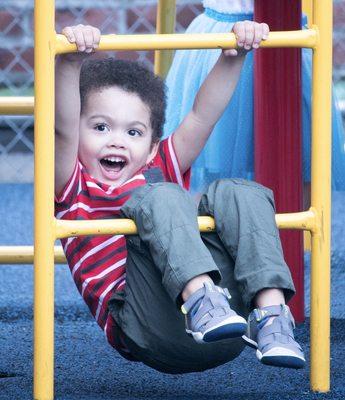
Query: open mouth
[113, 164]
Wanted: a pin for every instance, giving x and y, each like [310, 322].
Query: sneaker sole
[228, 329]
[281, 357]
[249, 342]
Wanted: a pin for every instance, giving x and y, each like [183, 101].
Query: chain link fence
[111, 16]
[16, 59]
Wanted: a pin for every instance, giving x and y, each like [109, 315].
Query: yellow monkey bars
[48, 229]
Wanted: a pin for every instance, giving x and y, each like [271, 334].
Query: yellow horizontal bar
[25, 255]
[64, 228]
[302, 38]
[305, 220]
[12, 105]
[305, 38]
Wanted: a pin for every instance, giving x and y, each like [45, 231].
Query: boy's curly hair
[131, 77]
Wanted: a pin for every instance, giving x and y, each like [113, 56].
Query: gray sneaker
[275, 343]
[209, 316]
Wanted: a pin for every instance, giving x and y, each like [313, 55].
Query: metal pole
[165, 23]
[44, 226]
[308, 10]
[321, 198]
[305, 38]
[16, 105]
[25, 255]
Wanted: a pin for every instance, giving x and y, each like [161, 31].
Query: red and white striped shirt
[98, 263]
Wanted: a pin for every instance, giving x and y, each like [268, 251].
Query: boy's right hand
[86, 38]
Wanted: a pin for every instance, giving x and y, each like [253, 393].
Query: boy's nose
[116, 142]
[116, 145]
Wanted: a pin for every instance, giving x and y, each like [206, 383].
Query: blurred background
[112, 16]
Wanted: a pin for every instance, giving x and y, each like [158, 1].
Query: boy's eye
[134, 132]
[101, 127]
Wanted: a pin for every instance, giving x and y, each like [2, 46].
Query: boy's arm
[214, 94]
[67, 101]
[67, 111]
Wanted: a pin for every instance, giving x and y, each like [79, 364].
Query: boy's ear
[153, 152]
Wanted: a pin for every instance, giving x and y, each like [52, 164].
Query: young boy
[110, 163]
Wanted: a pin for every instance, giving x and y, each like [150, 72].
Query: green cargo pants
[244, 255]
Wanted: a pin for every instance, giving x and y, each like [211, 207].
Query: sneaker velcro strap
[193, 298]
[281, 333]
[272, 311]
[189, 304]
[261, 314]
[277, 327]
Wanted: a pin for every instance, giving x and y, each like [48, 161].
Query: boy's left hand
[249, 35]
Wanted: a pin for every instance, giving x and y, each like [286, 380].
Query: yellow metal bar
[305, 220]
[64, 228]
[306, 38]
[307, 241]
[308, 10]
[44, 238]
[25, 255]
[165, 23]
[16, 105]
[303, 38]
[321, 198]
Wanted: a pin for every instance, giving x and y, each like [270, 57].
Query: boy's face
[115, 135]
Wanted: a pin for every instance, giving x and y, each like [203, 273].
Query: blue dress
[229, 151]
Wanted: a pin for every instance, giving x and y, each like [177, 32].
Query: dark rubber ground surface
[87, 368]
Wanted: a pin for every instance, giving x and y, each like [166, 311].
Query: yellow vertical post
[308, 10]
[165, 23]
[321, 198]
[307, 7]
[44, 225]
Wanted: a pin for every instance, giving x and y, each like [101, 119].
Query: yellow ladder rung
[303, 38]
[305, 220]
[16, 105]
[25, 255]
[307, 38]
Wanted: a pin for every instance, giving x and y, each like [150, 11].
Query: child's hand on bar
[86, 38]
[249, 35]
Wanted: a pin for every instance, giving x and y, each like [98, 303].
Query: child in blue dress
[230, 149]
